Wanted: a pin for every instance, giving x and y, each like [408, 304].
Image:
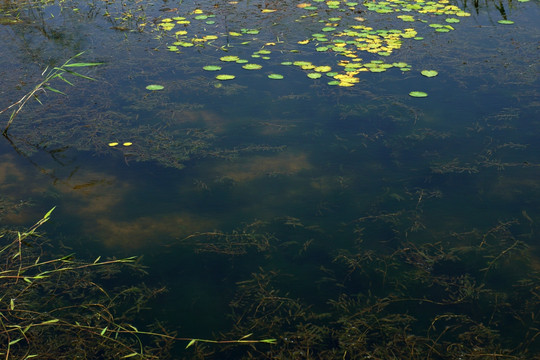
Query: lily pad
[154, 87]
[505, 22]
[275, 76]
[225, 77]
[429, 73]
[252, 66]
[229, 58]
[212, 68]
[314, 75]
[418, 94]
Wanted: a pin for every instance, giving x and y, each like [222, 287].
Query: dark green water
[291, 208]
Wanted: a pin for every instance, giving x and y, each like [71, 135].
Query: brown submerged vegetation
[468, 295]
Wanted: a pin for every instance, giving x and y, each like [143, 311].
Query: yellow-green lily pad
[154, 87]
[229, 58]
[418, 94]
[225, 77]
[212, 68]
[252, 66]
[429, 73]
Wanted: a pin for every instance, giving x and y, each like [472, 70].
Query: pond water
[328, 208]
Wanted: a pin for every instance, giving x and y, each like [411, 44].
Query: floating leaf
[212, 68]
[225, 77]
[155, 87]
[429, 73]
[505, 22]
[252, 66]
[127, 143]
[418, 94]
[112, 144]
[314, 75]
[229, 58]
[322, 69]
[275, 76]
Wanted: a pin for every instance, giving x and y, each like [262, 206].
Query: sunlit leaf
[193, 341]
[275, 76]
[322, 68]
[429, 73]
[314, 75]
[505, 22]
[418, 94]
[155, 87]
[229, 58]
[252, 66]
[225, 77]
[212, 68]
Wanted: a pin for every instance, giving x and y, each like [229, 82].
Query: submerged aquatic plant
[57, 72]
[55, 309]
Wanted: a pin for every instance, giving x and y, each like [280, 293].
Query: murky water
[289, 208]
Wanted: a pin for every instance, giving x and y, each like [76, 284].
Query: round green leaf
[418, 94]
[275, 76]
[212, 68]
[155, 87]
[505, 22]
[229, 58]
[429, 73]
[225, 77]
[314, 75]
[252, 66]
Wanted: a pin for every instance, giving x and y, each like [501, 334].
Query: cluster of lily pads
[342, 35]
